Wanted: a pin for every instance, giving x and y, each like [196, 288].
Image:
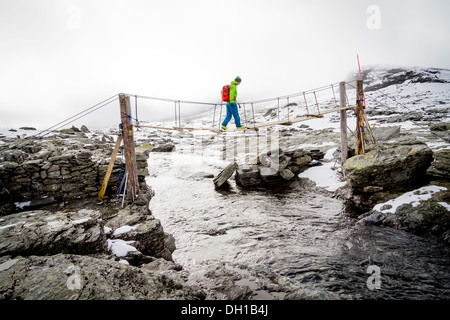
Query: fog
[59, 57]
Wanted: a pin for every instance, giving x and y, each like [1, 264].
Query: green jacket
[233, 92]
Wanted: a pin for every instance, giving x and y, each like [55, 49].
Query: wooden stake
[360, 135]
[110, 167]
[343, 114]
[128, 144]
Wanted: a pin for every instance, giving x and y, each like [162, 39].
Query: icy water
[295, 234]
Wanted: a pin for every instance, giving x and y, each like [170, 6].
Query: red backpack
[226, 93]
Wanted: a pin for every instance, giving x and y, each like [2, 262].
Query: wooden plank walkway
[254, 128]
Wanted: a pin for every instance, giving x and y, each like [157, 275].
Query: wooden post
[110, 167]
[360, 135]
[344, 144]
[128, 145]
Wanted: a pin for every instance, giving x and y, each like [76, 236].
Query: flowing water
[295, 234]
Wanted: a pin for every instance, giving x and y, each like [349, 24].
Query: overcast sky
[58, 57]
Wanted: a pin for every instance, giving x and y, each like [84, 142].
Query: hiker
[232, 108]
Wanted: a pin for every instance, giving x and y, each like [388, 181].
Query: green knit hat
[238, 79]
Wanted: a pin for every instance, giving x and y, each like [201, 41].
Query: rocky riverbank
[403, 185]
[59, 242]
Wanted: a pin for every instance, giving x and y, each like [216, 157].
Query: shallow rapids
[297, 234]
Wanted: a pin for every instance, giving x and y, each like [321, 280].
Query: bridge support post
[343, 114]
[129, 148]
[360, 134]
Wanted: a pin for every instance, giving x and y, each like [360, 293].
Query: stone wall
[61, 168]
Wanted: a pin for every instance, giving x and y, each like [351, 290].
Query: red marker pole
[360, 76]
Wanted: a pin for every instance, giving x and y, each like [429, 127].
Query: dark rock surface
[421, 212]
[77, 277]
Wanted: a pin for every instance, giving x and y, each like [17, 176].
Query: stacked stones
[276, 167]
[59, 170]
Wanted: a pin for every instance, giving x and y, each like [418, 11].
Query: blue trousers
[232, 111]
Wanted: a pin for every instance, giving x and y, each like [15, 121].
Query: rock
[75, 129]
[168, 147]
[270, 112]
[225, 174]
[420, 212]
[225, 283]
[440, 167]
[316, 154]
[130, 224]
[287, 174]
[302, 161]
[84, 155]
[42, 232]
[275, 152]
[292, 104]
[67, 131]
[42, 201]
[149, 238]
[283, 162]
[372, 189]
[268, 174]
[297, 153]
[75, 277]
[413, 116]
[84, 129]
[386, 133]
[142, 155]
[248, 178]
[393, 166]
[275, 167]
[27, 128]
[440, 127]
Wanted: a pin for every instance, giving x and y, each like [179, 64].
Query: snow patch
[324, 176]
[413, 197]
[21, 205]
[445, 205]
[106, 229]
[80, 221]
[124, 229]
[120, 248]
[8, 226]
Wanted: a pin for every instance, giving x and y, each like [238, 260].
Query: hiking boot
[224, 128]
[240, 128]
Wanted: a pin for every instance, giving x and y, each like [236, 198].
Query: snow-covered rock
[419, 211]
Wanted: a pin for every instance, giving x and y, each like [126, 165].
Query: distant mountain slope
[405, 90]
[376, 78]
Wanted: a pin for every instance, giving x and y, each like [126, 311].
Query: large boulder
[424, 211]
[75, 277]
[393, 166]
[42, 232]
